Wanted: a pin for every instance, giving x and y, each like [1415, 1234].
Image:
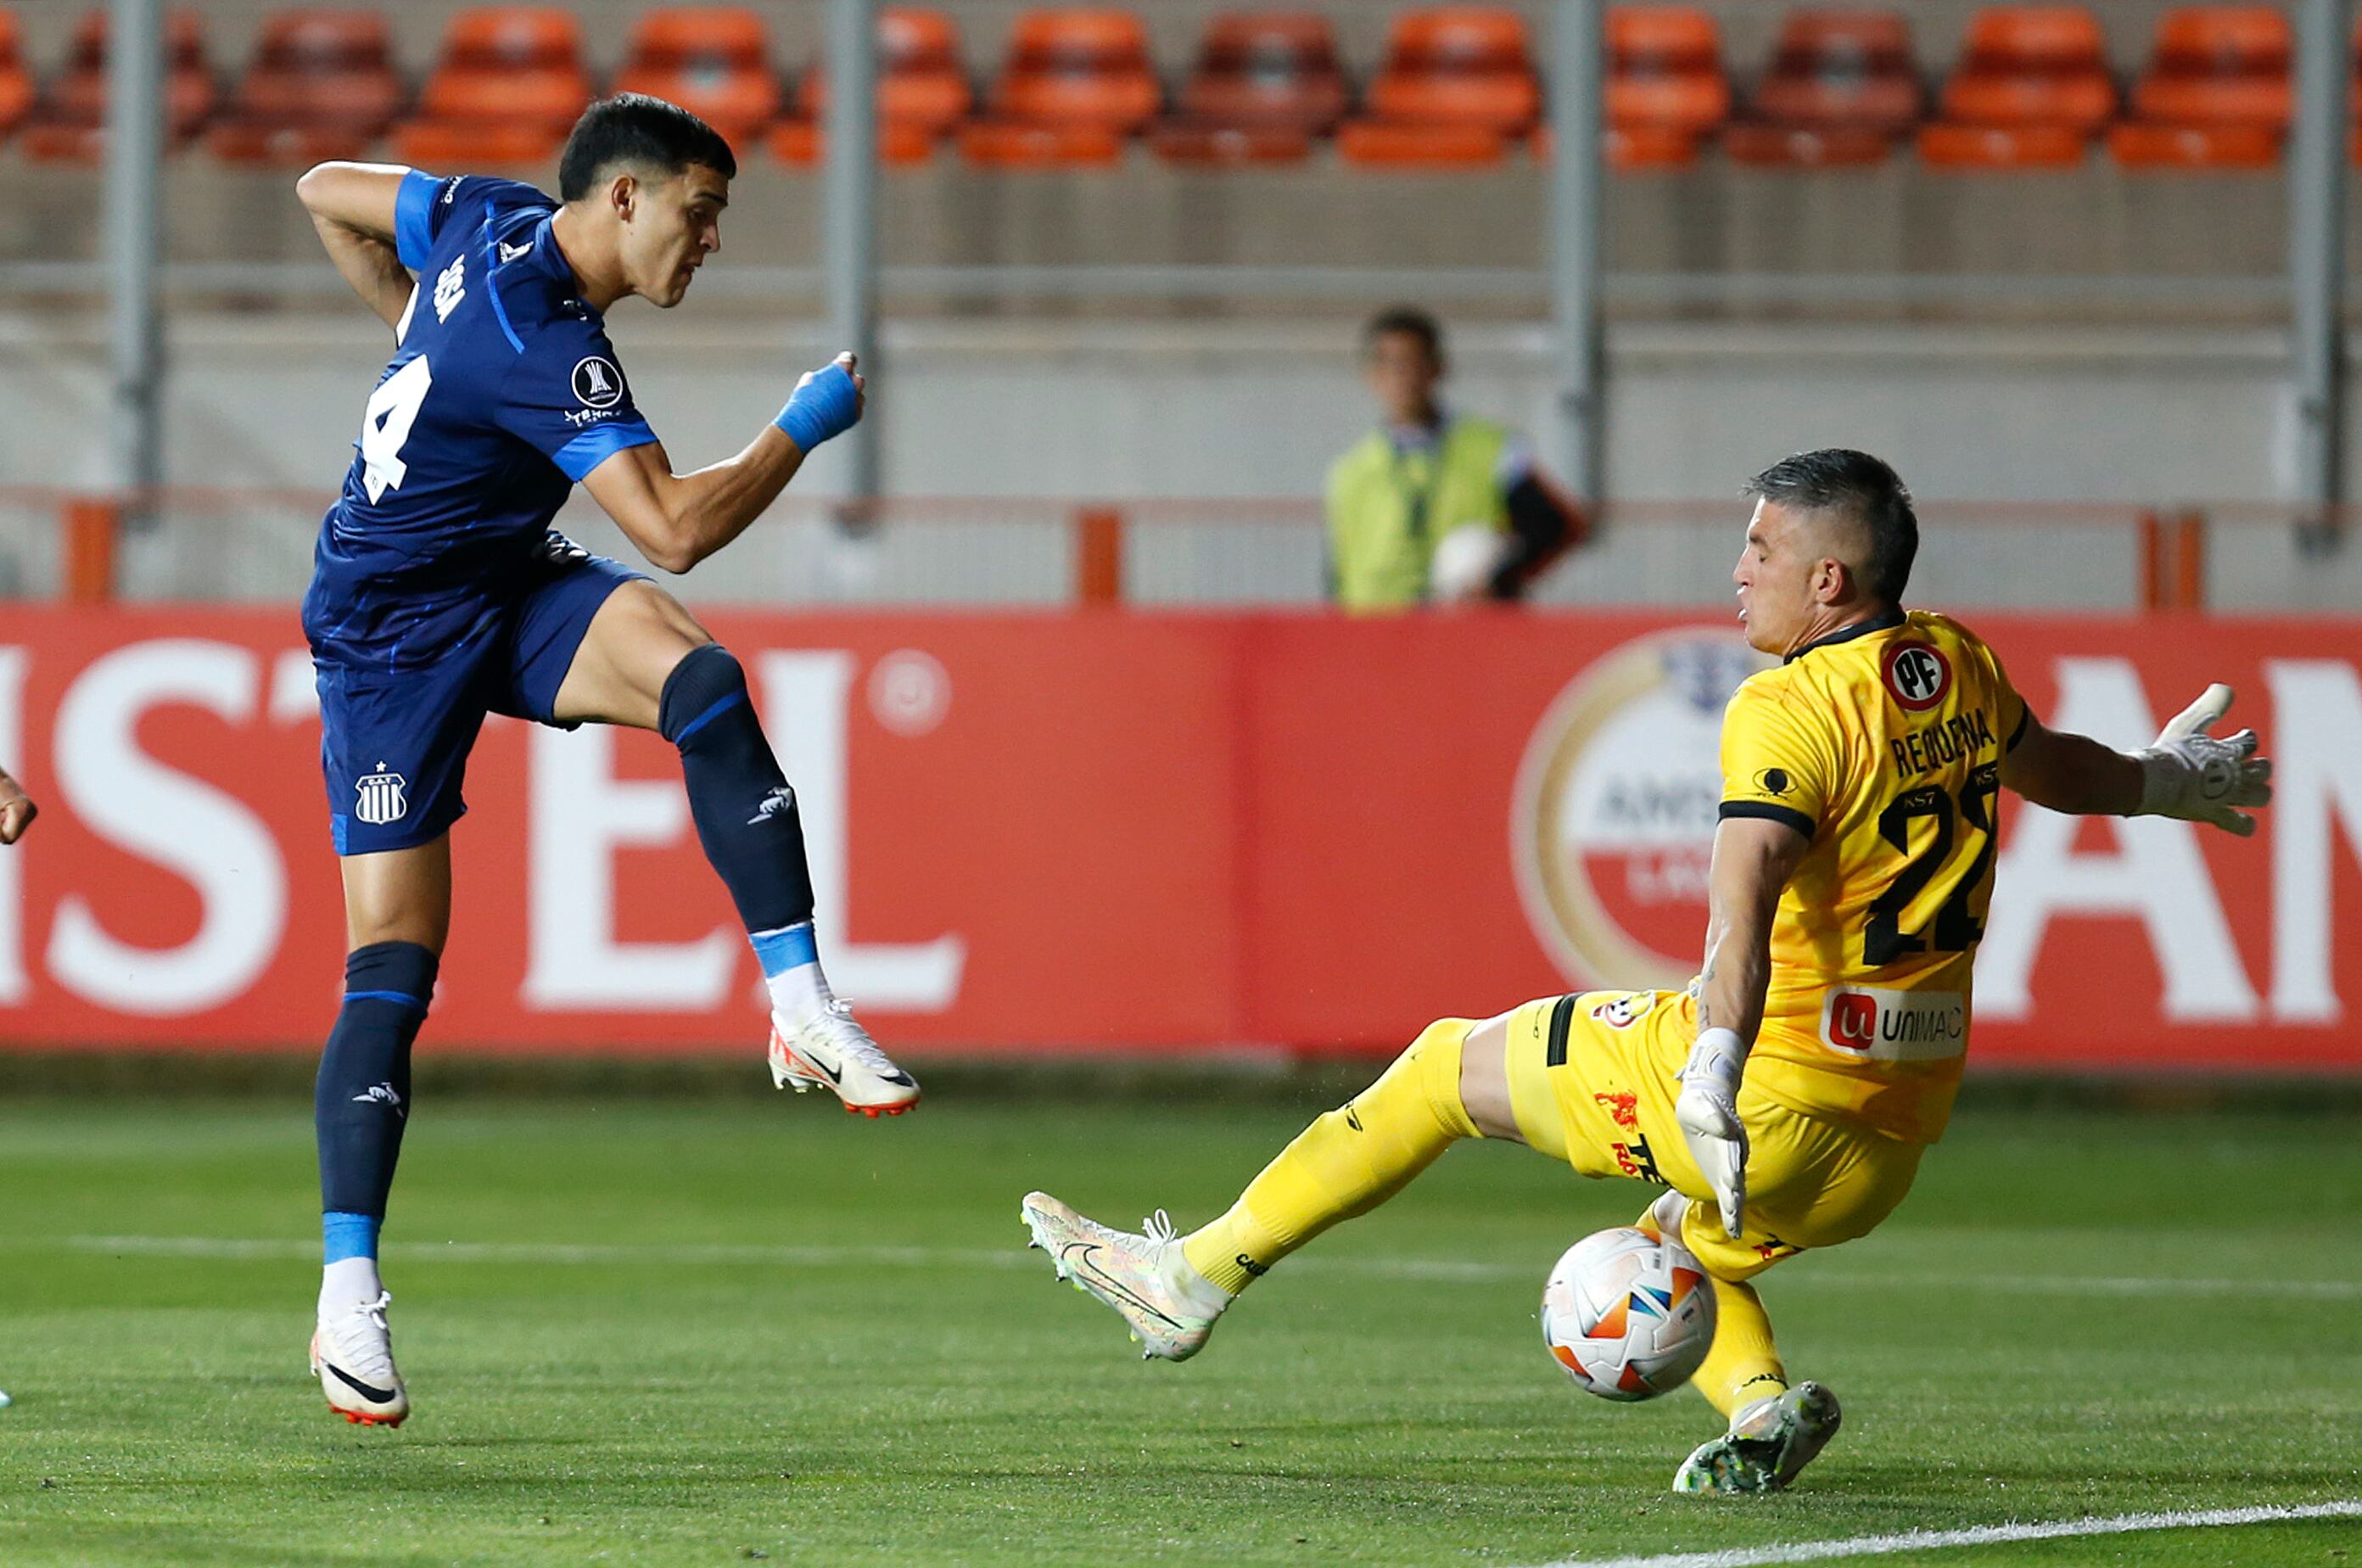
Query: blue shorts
[399, 717]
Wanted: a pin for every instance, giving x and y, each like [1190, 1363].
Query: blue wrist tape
[824, 407]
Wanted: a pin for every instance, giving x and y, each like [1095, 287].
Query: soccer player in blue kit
[441, 595]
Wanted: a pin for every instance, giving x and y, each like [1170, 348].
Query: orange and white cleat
[352, 1355]
[828, 1050]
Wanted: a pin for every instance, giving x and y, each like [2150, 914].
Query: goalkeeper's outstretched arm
[352, 207]
[2187, 774]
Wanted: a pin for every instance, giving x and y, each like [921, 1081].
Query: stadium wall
[2149, 416]
[1140, 832]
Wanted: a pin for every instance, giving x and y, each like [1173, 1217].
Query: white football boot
[828, 1050]
[352, 1355]
[1170, 1306]
[1767, 1442]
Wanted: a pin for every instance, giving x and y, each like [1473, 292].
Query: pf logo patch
[597, 382]
[380, 797]
[1917, 675]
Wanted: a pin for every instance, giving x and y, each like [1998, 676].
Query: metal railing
[254, 546]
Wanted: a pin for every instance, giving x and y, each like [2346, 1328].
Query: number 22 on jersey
[385, 426]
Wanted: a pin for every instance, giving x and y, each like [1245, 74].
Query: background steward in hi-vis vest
[1435, 506]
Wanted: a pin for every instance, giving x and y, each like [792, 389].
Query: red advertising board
[1139, 831]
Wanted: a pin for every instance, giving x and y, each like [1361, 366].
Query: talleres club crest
[1612, 822]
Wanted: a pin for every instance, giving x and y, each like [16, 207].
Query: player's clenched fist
[826, 402]
[2194, 776]
[17, 810]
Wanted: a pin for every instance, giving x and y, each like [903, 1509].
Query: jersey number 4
[1957, 928]
[385, 426]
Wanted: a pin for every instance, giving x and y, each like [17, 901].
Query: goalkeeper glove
[826, 402]
[1708, 1112]
[2193, 776]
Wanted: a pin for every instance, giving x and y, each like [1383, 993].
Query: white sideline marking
[758, 1254]
[1982, 1535]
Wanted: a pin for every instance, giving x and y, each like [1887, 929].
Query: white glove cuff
[2165, 776]
[1719, 1056]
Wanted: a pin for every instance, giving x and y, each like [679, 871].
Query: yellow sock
[1744, 1365]
[1345, 1163]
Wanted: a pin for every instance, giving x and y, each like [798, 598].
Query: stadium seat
[1084, 67]
[1016, 144]
[2218, 66]
[1267, 70]
[1402, 144]
[509, 86]
[1456, 66]
[322, 85]
[2032, 65]
[1198, 144]
[15, 79]
[2143, 145]
[901, 144]
[68, 125]
[1841, 71]
[1764, 146]
[1951, 145]
[922, 90]
[713, 60]
[1664, 70]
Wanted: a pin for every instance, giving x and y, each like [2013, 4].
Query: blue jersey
[503, 392]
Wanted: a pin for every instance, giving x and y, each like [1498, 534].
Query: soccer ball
[1628, 1317]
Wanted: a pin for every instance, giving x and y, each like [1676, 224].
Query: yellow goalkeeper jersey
[1881, 745]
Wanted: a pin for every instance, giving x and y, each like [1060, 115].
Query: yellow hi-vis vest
[1387, 507]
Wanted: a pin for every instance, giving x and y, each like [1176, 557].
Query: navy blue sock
[746, 814]
[362, 1101]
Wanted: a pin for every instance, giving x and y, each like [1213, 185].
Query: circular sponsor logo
[597, 382]
[1613, 820]
[1917, 675]
[909, 692]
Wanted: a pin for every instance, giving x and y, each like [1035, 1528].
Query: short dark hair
[1873, 496]
[1419, 324]
[632, 127]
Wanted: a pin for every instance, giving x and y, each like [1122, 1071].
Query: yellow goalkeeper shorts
[1592, 1079]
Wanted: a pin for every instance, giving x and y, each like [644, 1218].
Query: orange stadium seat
[901, 144]
[713, 61]
[16, 78]
[2033, 65]
[2218, 66]
[510, 84]
[1018, 144]
[1841, 70]
[2146, 144]
[1265, 84]
[922, 91]
[1405, 144]
[1078, 66]
[1465, 66]
[322, 85]
[1949, 144]
[1272, 68]
[1664, 70]
[68, 125]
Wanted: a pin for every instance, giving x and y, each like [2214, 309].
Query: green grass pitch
[736, 1331]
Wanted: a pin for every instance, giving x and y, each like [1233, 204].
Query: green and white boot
[1767, 1444]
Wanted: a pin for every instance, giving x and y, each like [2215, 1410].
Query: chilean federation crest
[379, 796]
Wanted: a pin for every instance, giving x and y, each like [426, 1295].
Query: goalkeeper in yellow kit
[1784, 1099]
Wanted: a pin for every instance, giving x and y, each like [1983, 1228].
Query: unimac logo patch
[1917, 675]
[1875, 1024]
